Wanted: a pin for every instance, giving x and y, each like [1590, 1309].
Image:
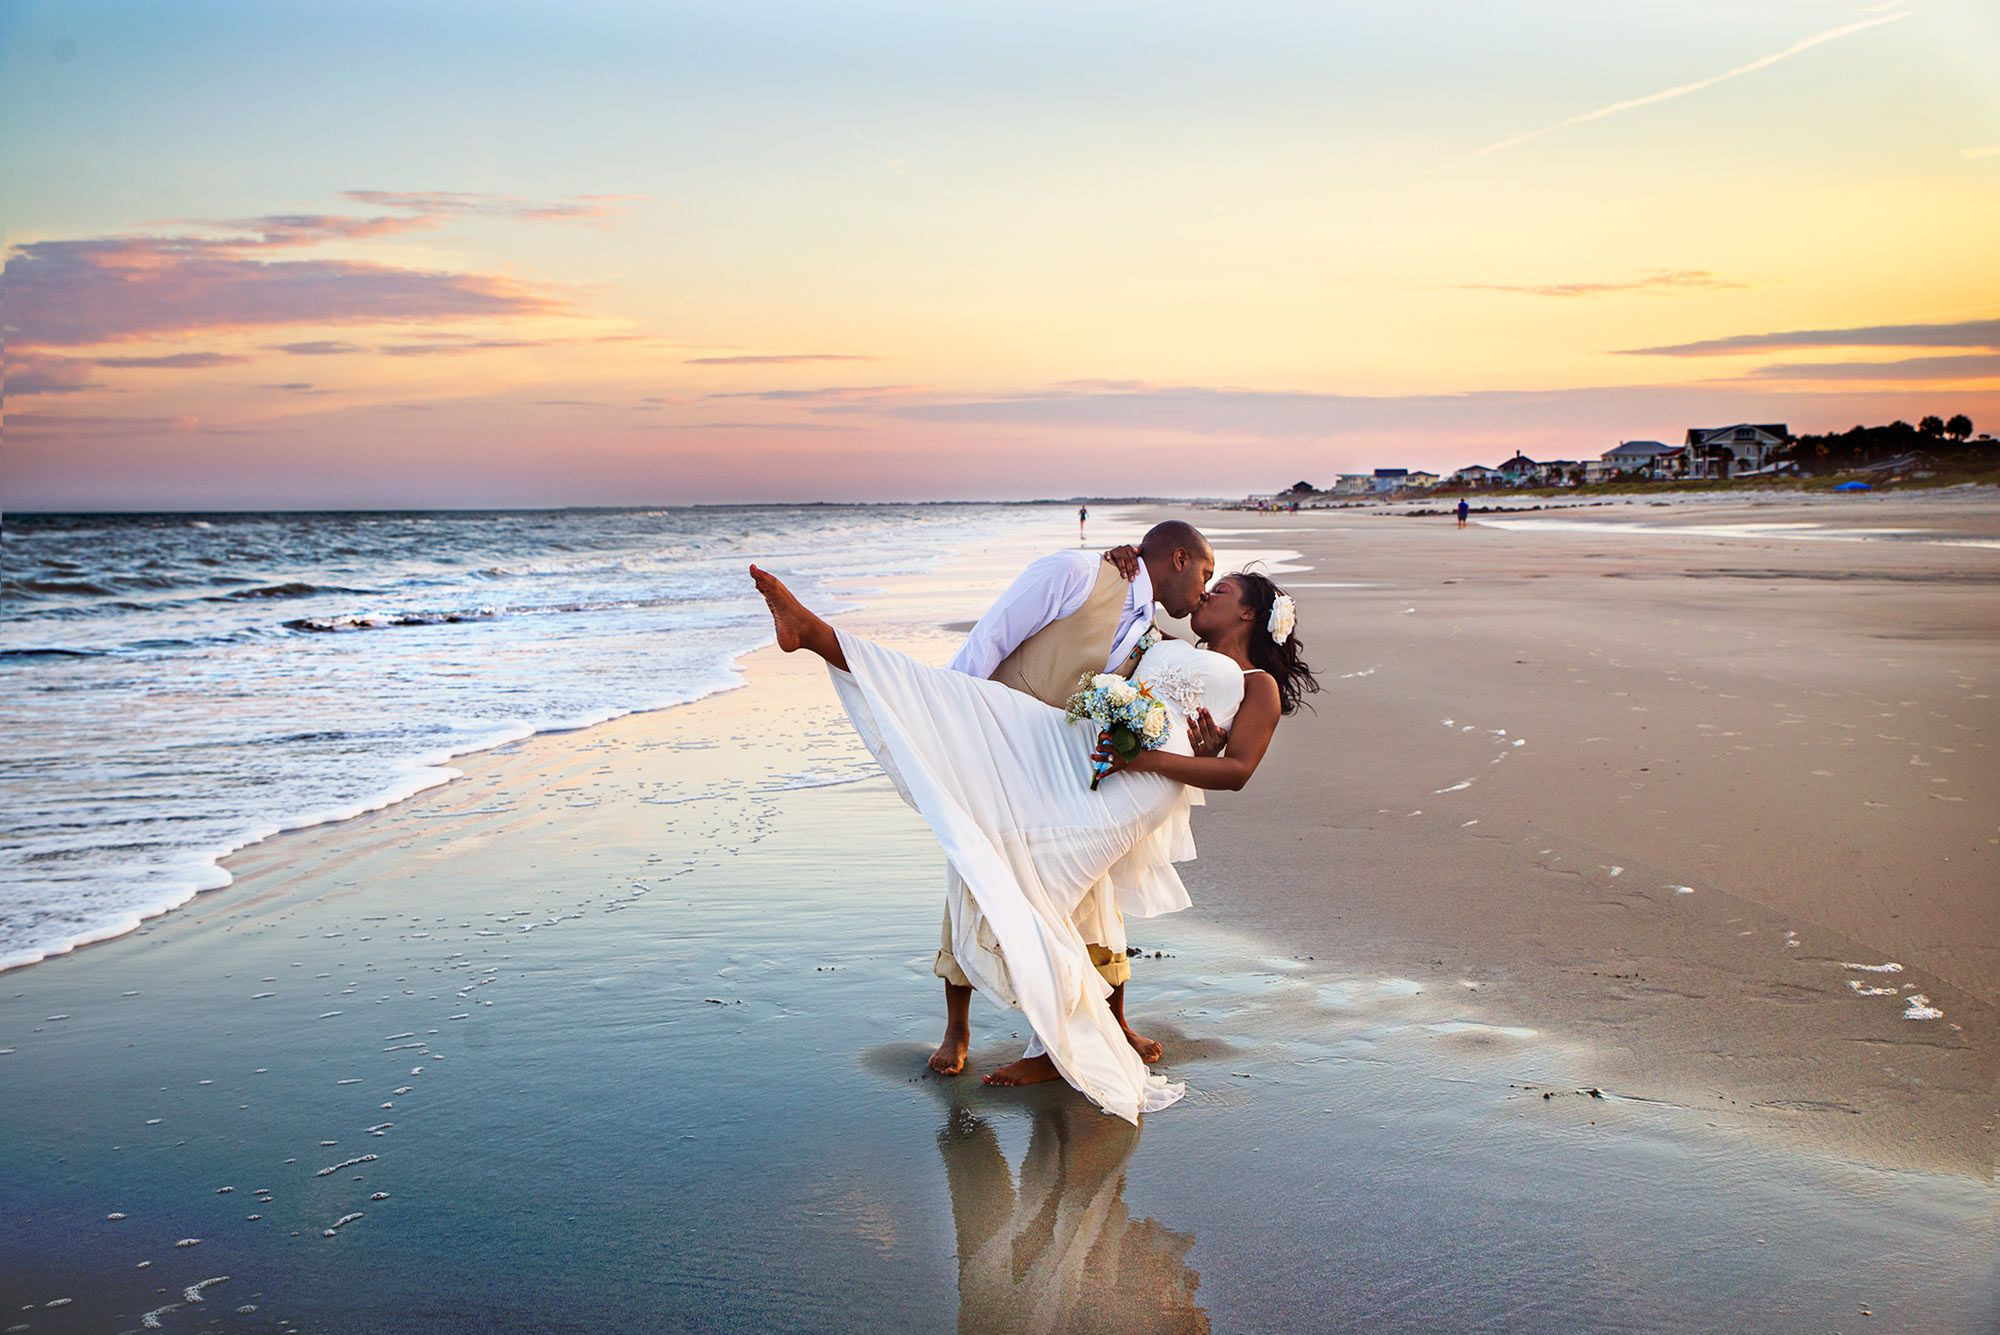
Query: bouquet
[1126, 715]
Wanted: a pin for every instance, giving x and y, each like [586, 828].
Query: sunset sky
[277, 254]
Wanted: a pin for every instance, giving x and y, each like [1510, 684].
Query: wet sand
[1670, 790]
[632, 1020]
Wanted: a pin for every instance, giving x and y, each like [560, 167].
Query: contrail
[1682, 90]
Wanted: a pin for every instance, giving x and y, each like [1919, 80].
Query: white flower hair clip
[1284, 617]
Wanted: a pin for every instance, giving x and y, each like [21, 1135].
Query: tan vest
[1048, 664]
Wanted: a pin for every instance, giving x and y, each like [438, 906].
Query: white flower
[1121, 692]
[1104, 681]
[1284, 616]
[1156, 723]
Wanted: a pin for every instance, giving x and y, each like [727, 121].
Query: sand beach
[1614, 945]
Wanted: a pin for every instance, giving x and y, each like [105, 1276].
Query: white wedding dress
[1043, 863]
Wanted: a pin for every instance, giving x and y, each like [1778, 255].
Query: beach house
[1391, 479]
[1724, 451]
[1643, 457]
[1519, 471]
[1476, 475]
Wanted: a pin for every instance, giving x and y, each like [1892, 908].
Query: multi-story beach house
[1391, 479]
[1354, 484]
[1723, 451]
[1476, 475]
[1419, 478]
[1631, 456]
[1519, 471]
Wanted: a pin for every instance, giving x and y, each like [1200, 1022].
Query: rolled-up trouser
[1111, 965]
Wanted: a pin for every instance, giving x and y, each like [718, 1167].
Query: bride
[1003, 781]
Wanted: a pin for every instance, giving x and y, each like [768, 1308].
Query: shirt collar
[1140, 595]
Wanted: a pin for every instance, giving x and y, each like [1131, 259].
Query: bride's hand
[1126, 558]
[1107, 756]
[1204, 736]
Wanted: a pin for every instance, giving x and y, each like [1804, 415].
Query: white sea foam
[1918, 1007]
[466, 632]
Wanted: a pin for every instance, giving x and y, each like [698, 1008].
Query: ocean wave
[20, 588]
[388, 620]
[7, 654]
[291, 589]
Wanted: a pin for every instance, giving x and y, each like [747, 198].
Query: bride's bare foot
[1148, 1050]
[788, 615]
[1027, 1071]
[949, 1059]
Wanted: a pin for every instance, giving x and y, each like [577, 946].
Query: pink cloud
[68, 293]
[760, 426]
[435, 204]
[33, 373]
[823, 394]
[1962, 334]
[458, 346]
[780, 359]
[74, 292]
[319, 347]
[176, 361]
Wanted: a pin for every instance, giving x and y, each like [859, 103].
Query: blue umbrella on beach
[1854, 486]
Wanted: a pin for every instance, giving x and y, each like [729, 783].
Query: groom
[1068, 614]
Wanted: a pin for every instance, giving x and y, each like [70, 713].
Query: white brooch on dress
[1177, 686]
[1284, 616]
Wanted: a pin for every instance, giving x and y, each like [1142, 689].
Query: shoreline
[657, 993]
[199, 871]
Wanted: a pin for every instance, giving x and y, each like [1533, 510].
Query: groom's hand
[1204, 736]
[1126, 558]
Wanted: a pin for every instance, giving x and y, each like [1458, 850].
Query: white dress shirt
[1049, 590]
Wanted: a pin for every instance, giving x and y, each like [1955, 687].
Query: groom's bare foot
[949, 1059]
[788, 615]
[1027, 1071]
[1148, 1050]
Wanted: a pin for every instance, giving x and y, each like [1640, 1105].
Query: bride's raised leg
[798, 627]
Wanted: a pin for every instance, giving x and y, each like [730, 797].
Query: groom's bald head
[1168, 534]
[1180, 562]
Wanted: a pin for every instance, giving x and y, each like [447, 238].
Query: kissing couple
[1043, 868]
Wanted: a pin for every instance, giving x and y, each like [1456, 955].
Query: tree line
[1861, 445]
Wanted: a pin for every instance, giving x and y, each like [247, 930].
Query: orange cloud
[780, 359]
[1660, 280]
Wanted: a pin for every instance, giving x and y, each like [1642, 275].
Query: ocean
[175, 687]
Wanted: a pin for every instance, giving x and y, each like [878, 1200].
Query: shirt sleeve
[1049, 590]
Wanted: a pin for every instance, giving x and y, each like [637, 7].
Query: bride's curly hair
[1285, 662]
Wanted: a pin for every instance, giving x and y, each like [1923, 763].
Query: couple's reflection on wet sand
[1056, 1249]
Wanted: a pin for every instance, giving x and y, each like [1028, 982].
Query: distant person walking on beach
[1464, 509]
[1082, 518]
